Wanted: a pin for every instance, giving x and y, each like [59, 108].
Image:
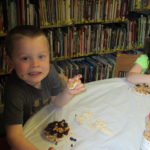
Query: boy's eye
[42, 56]
[25, 58]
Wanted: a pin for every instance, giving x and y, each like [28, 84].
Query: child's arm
[16, 139]
[135, 76]
[65, 96]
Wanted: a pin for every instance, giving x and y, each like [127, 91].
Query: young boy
[32, 84]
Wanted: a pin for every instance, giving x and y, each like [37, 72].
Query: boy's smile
[30, 59]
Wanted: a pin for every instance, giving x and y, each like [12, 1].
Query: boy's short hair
[18, 33]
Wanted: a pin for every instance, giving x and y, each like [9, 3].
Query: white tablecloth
[113, 101]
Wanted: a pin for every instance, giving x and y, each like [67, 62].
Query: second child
[140, 72]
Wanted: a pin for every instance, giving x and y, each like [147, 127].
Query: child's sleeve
[143, 61]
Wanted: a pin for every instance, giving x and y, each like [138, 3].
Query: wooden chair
[124, 63]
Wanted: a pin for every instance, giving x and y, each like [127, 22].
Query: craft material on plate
[142, 89]
[56, 131]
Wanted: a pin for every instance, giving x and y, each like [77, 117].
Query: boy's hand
[74, 85]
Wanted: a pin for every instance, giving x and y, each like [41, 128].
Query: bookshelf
[84, 35]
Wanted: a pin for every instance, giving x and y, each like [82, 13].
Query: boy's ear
[9, 62]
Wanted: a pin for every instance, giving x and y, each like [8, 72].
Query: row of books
[16, 12]
[63, 12]
[92, 68]
[98, 38]
[139, 4]
[1, 18]
[137, 31]
[87, 39]
[69, 42]
[80, 11]
[3, 65]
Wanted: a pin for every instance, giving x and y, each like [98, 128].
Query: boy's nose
[35, 63]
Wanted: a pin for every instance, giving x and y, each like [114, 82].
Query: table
[113, 101]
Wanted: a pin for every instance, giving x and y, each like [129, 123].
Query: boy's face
[30, 59]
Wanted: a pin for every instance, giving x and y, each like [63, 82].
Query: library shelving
[84, 35]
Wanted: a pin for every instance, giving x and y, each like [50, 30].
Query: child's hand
[74, 85]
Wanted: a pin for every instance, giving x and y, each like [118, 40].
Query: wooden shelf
[84, 23]
[142, 11]
[100, 53]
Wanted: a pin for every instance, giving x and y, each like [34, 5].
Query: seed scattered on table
[73, 139]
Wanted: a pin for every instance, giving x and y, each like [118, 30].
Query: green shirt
[143, 61]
